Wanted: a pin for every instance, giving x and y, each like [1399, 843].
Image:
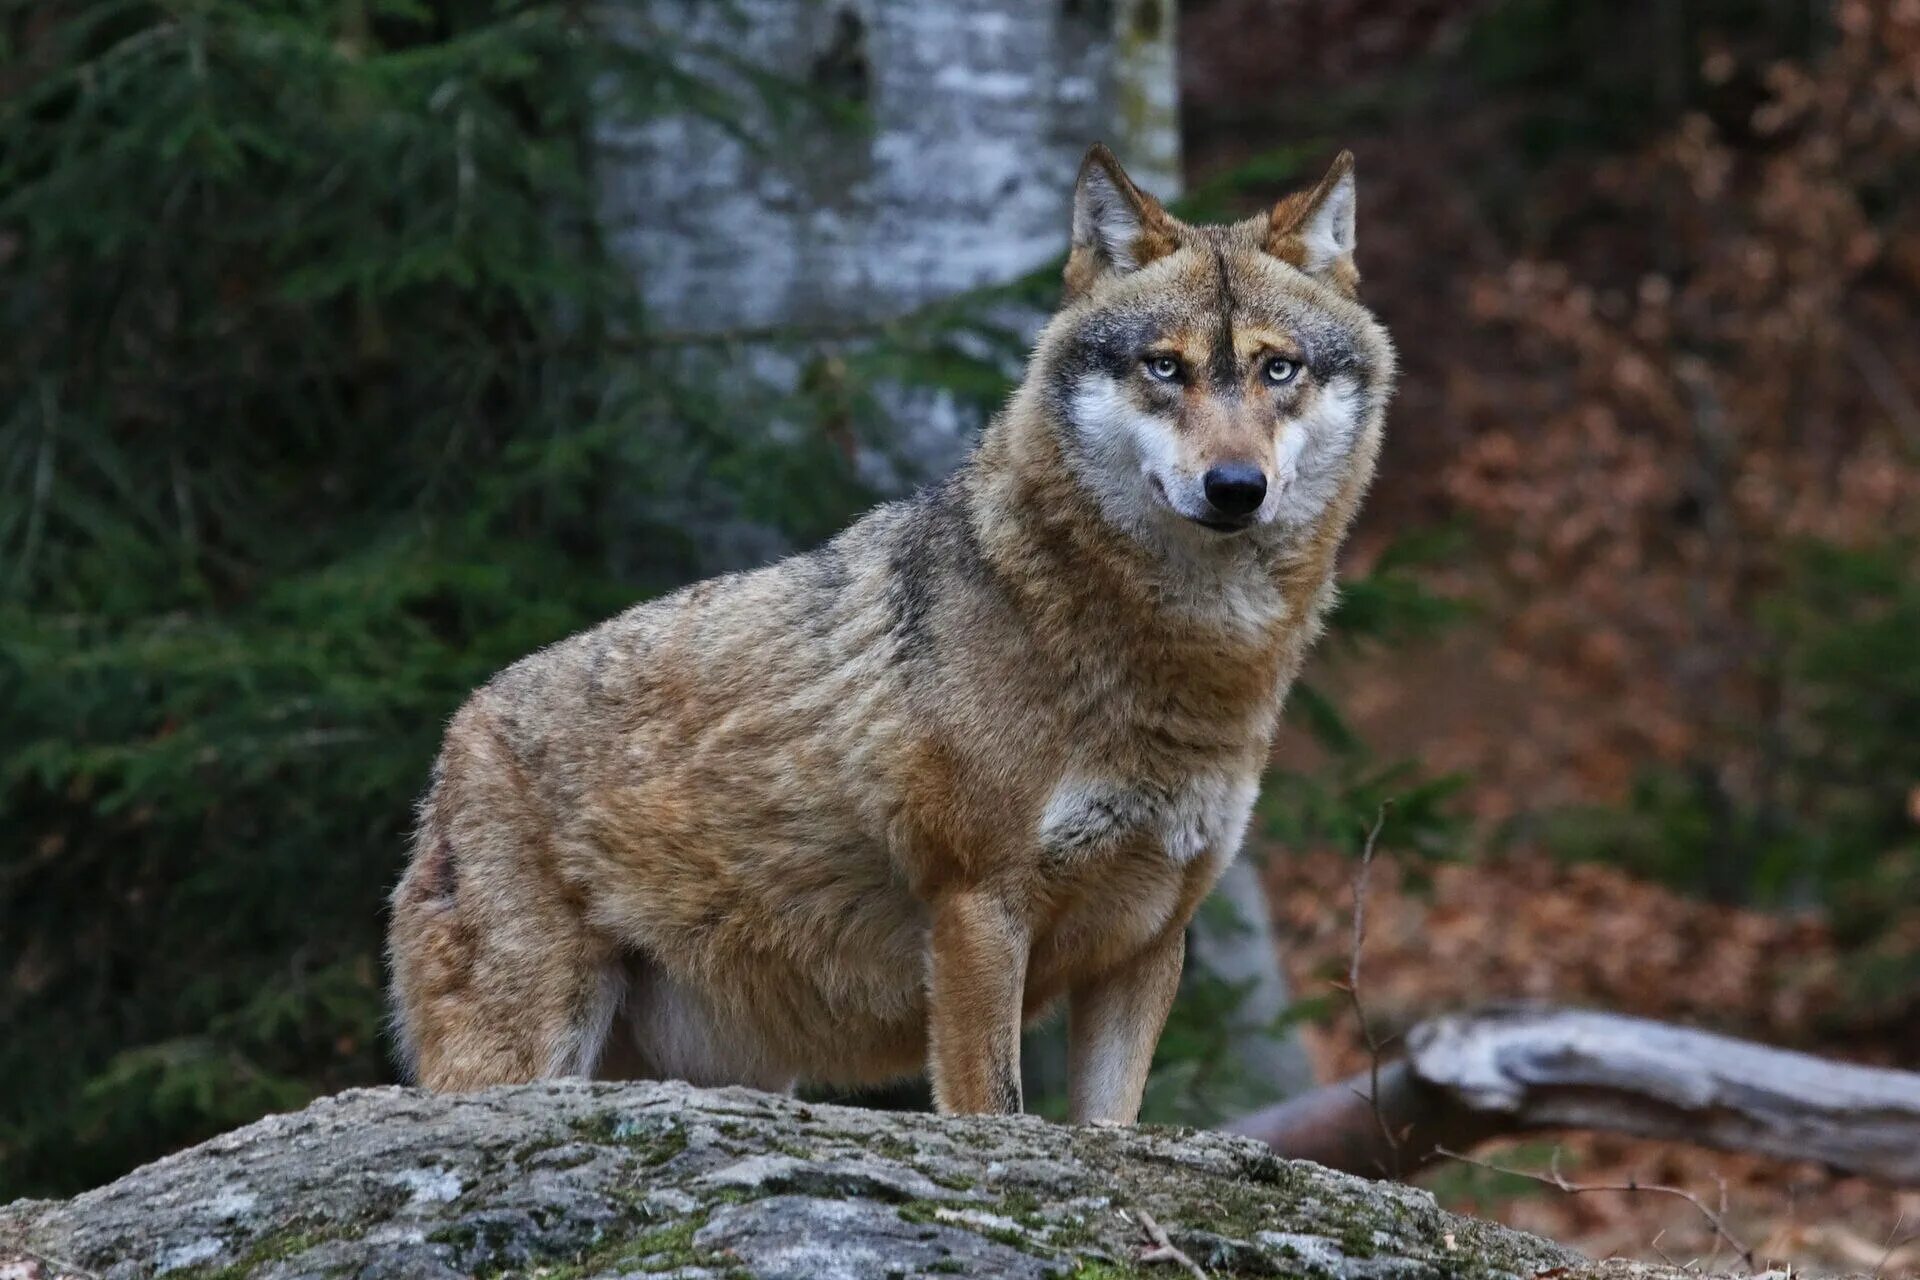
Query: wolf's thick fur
[873, 807]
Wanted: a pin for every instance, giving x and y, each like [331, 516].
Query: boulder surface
[571, 1180]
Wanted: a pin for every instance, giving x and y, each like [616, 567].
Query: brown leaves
[1573, 934]
[1640, 376]
[1708, 351]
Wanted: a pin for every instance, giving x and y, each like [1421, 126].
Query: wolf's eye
[1163, 368]
[1280, 371]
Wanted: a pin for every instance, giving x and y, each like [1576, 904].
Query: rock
[571, 1180]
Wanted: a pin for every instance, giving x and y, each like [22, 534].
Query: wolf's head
[1214, 382]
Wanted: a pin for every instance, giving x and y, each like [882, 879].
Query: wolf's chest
[1205, 812]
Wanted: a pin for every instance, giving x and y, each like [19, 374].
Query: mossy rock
[572, 1180]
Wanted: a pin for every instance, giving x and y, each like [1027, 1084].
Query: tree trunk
[953, 170]
[957, 172]
[1232, 941]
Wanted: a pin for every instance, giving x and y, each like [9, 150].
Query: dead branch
[1516, 1069]
[1339, 1125]
[1164, 1250]
[1893, 1242]
[1373, 1045]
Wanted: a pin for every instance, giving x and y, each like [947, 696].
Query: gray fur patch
[1223, 366]
[935, 538]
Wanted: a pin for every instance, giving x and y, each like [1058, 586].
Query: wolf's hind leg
[496, 985]
[497, 978]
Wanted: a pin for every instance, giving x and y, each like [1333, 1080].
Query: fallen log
[1515, 1069]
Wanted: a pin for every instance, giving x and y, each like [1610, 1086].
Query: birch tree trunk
[975, 120]
[954, 172]
[1232, 941]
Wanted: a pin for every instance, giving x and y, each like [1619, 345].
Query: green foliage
[322, 403]
[1600, 75]
[1841, 757]
[1847, 627]
[1336, 800]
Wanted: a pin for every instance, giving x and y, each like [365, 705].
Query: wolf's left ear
[1313, 229]
[1117, 227]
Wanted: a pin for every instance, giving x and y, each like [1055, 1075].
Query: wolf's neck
[1129, 659]
[1079, 577]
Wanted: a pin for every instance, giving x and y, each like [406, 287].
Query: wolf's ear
[1314, 229]
[1117, 227]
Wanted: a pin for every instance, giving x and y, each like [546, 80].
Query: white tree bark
[977, 117]
[1233, 941]
[958, 176]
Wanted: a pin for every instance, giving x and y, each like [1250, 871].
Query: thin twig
[1374, 1045]
[1713, 1259]
[1163, 1249]
[1883, 381]
[1558, 1182]
[1893, 1240]
[57, 1263]
[1654, 1244]
[1669, 1259]
[42, 485]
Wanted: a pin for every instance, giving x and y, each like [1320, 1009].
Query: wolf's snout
[1235, 489]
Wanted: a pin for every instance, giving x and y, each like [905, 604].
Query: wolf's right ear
[1313, 229]
[1117, 227]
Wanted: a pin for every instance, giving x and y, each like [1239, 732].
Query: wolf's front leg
[977, 976]
[1113, 1023]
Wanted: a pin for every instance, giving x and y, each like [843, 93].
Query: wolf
[872, 809]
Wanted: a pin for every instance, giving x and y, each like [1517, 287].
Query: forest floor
[1555, 201]
[1458, 934]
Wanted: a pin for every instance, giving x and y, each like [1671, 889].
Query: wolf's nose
[1235, 489]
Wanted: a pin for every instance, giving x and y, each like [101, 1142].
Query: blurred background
[351, 349]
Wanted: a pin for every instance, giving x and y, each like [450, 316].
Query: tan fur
[871, 809]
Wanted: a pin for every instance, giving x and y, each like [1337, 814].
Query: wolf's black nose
[1235, 489]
